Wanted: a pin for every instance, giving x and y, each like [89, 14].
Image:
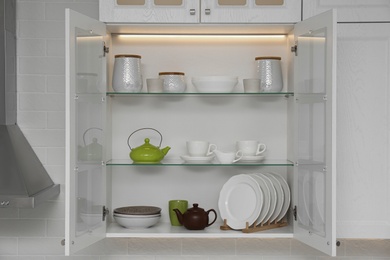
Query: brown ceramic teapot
[195, 218]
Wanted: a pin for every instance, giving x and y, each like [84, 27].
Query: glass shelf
[273, 94]
[179, 162]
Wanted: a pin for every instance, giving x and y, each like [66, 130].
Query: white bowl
[215, 84]
[137, 222]
[135, 216]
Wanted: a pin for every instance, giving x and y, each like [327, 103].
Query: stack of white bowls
[137, 216]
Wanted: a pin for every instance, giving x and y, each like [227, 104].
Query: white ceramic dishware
[267, 198]
[136, 221]
[127, 75]
[270, 73]
[174, 82]
[279, 195]
[286, 193]
[154, 85]
[252, 158]
[228, 157]
[215, 84]
[273, 197]
[197, 159]
[251, 85]
[200, 148]
[240, 201]
[251, 147]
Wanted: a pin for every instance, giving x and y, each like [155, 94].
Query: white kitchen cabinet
[200, 11]
[363, 121]
[298, 125]
[349, 10]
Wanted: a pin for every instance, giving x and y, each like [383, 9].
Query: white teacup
[229, 157]
[251, 147]
[200, 148]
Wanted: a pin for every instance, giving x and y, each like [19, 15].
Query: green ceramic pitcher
[147, 153]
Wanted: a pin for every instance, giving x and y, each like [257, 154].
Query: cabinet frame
[324, 244]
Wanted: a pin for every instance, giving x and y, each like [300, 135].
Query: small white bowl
[137, 222]
[215, 84]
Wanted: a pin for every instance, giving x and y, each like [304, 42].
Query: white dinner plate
[279, 195]
[240, 201]
[252, 158]
[266, 195]
[273, 197]
[197, 159]
[287, 195]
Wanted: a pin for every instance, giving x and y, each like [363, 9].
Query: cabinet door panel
[314, 174]
[350, 10]
[363, 201]
[149, 11]
[85, 127]
[239, 11]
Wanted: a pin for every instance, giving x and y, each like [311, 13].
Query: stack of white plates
[256, 198]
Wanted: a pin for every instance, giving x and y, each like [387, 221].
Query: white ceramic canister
[127, 76]
[174, 82]
[269, 71]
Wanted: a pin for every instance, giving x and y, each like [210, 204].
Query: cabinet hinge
[295, 213]
[295, 49]
[105, 213]
[105, 49]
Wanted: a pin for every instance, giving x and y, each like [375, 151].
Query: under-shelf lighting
[198, 36]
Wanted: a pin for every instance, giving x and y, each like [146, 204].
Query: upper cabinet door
[250, 11]
[350, 10]
[85, 126]
[314, 142]
[149, 11]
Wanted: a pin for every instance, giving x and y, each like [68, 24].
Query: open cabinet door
[85, 181]
[315, 124]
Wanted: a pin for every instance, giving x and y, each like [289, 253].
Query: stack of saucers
[137, 216]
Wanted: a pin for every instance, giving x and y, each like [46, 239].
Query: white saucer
[252, 158]
[197, 159]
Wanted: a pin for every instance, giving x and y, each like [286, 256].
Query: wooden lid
[171, 73]
[138, 210]
[268, 58]
[128, 56]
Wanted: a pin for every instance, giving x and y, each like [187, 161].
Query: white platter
[240, 201]
[287, 195]
[252, 159]
[196, 159]
[267, 198]
[279, 195]
[273, 197]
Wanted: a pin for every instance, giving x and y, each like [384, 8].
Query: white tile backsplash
[35, 234]
[8, 246]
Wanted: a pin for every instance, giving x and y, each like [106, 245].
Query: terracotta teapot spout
[179, 216]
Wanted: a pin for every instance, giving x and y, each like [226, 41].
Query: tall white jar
[127, 76]
[269, 71]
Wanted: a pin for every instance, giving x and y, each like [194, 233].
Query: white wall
[36, 233]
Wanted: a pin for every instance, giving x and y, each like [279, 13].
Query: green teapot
[147, 153]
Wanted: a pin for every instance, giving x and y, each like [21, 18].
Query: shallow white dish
[240, 201]
[287, 195]
[279, 195]
[197, 159]
[215, 84]
[137, 222]
[252, 158]
[273, 197]
[136, 216]
[267, 198]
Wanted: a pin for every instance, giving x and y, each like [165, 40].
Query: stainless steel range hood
[24, 181]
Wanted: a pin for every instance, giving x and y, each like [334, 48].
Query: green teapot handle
[97, 128]
[145, 128]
